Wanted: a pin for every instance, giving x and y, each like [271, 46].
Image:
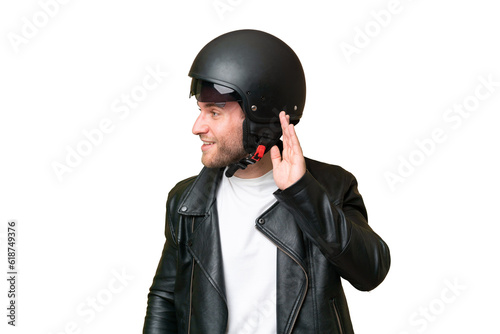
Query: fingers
[285, 124]
[294, 139]
[290, 139]
[284, 121]
[275, 156]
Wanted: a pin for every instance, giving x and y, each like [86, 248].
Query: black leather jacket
[319, 225]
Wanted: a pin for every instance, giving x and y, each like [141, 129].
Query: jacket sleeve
[160, 313]
[336, 222]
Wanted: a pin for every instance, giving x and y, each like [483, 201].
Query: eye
[214, 113]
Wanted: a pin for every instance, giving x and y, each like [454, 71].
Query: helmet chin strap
[249, 160]
[255, 134]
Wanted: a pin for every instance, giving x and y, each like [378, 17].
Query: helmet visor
[205, 91]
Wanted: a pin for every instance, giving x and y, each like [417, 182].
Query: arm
[160, 314]
[339, 228]
[336, 221]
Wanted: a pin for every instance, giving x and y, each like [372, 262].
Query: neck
[257, 169]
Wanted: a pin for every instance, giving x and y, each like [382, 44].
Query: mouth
[207, 145]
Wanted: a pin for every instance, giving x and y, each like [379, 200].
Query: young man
[258, 242]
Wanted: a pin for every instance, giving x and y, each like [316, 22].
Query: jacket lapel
[278, 224]
[204, 242]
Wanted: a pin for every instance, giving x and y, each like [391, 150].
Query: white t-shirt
[249, 257]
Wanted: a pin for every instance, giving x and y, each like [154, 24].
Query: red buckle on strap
[259, 153]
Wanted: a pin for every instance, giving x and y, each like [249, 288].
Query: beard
[227, 152]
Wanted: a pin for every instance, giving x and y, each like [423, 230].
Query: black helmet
[261, 72]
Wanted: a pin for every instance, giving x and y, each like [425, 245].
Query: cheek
[238, 126]
[237, 133]
[233, 131]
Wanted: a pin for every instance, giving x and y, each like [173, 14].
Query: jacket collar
[199, 198]
[201, 195]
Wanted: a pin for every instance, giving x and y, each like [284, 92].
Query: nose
[200, 127]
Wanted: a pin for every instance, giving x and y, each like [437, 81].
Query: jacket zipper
[307, 282]
[191, 288]
[337, 316]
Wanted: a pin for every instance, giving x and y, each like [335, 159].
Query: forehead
[230, 107]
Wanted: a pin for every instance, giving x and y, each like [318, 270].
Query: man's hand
[290, 167]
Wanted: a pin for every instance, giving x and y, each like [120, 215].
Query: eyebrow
[214, 104]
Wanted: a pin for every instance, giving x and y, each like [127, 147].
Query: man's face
[221, 131]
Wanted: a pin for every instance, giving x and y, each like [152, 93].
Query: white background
[364, 112]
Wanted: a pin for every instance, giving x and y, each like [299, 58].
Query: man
[258, 242]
